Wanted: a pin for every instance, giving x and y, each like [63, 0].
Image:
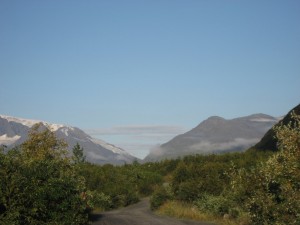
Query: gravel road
[138, 214]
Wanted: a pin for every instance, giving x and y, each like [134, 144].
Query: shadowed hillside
[269, 141]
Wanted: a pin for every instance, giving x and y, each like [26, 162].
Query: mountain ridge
[14, 131]
[216, 135]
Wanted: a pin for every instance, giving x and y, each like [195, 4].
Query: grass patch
[181, 210]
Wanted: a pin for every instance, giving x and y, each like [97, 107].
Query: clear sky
[137, 73]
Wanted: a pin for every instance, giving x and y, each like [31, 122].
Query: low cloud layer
[138, 140]
[224, 146]
[137, 130]
[208, 147]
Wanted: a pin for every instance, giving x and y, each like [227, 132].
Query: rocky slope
[14, 131]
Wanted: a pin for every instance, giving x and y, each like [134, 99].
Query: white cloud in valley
[138, 140]
[207, 147]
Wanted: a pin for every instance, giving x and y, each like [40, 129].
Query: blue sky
[136, 73]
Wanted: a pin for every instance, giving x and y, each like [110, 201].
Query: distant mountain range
[14, 131]
[213, 135]
[216, 135]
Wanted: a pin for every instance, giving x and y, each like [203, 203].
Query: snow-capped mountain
[216, 135]
[14, 131]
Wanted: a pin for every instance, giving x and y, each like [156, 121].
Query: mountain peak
[260, 117]
[14, 131]
[211, 122]
[29, 122]
[25, 122]
[215, 118]
[216, 135]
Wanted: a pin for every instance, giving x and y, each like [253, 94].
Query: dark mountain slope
[269, 141]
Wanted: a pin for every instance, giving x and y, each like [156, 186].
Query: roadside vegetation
[40, 183]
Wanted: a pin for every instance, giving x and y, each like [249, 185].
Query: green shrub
[188, 191]
[98, 200]
[216, 205]
[160, 196]
[148, 182]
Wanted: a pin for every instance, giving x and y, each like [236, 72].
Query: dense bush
[277, 199]
[270, 193]
[217, 205]
[196, 176]
[160, 196]
[98, 200]
[39, 185]
[123, 185]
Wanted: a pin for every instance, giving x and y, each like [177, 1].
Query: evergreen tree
[78, 155]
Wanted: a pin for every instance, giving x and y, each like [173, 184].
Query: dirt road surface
[138, 214]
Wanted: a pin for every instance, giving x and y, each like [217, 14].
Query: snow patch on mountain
[14, 131]
[53, 127]
[109, 146]
[65, 131]
[29, 122]
[25, 122]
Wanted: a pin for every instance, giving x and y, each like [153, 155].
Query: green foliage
[39, 184]
[160, 196]
[277, 200]
[199, 175]
[270, 193]
[148, 183]
[124, 185]
[217, 205]
[78, 156]
[98, 200]
[43, 144]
